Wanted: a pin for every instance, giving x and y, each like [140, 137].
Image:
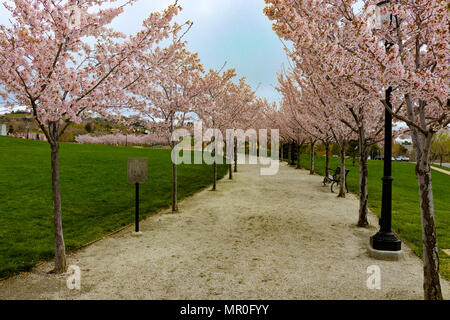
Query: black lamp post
[385, 239]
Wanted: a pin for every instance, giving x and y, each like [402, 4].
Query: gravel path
[257, 237]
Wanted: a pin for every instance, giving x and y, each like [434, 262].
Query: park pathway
[441, 170]
[257, 237]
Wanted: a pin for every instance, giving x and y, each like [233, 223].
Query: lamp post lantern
[385, 239]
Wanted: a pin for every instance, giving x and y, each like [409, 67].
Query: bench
[335, 178]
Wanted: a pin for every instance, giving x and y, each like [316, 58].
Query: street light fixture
[385, 239]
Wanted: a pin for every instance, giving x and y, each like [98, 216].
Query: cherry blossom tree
[256, 119]
[361, 116]
[242, 110]
[291, 116]
[168, 97]
[274, 119]
[48, 65]
[150, 139]
[415, 65]
[314, 108]
[367, 124]
[214, 108]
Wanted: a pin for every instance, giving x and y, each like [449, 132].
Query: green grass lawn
[406, 209]
[14, 116]
[96, 198]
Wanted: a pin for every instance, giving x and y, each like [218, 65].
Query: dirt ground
[257, 237]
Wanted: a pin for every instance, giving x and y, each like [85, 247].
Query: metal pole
[385, 239]
[137, 209]
[386, 204]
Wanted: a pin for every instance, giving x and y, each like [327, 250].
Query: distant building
[3, 129]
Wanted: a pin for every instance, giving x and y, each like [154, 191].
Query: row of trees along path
[49, 66]
[332, 92]
[344, 58]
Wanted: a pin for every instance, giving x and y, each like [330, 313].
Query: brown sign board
[137, 170]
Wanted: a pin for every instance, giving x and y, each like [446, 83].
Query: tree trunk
[342, 190]
[299, 154]
[60, 251]
[363, 190]
[174, 188]
[214, 164]
[431, 285]
[422, 146]
[311, 169]
[228, 157]
[257, 148]
[214, 176]
[440, 159]
[327, 159]
[235, 154]
[282, 152]
[290, 154]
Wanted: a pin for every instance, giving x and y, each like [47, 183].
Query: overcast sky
[235, 31]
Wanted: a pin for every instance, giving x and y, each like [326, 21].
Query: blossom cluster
[121, 139]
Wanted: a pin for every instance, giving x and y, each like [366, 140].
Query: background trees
[440, 147]
[241, 111]
[214, 108]
[168, 97]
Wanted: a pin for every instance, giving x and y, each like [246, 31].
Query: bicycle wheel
[334, 184]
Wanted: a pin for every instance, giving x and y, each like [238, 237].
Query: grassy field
[96, 198]
[14, 116]
[406, 210]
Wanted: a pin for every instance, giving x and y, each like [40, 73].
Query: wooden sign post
[137, 173]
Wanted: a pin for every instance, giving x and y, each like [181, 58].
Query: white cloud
[4, 110]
